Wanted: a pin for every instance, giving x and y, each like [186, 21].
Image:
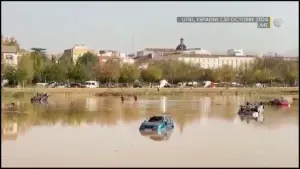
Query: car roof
[90, 81]
[166, 114]
[162, 115]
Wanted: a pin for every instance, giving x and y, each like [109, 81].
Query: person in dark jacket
[135, 98]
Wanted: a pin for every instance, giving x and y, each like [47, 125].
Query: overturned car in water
[157, 123]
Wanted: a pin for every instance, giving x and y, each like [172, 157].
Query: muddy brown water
[103, 132]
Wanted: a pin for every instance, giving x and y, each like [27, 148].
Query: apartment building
[155, 53]
[108, 53]
[9, 55]
[122, 58]
[213, 61]
[76, 51]
[235, 52]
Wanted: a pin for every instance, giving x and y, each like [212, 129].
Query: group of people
[40, 97]
[249, 108]
[12, 104]
[123, 98]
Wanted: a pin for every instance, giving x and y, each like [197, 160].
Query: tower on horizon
[181, 46]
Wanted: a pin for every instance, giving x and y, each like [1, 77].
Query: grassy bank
[15, 92]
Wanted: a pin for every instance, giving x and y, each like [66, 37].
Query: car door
[169, 122]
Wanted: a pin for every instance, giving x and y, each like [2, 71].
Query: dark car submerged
[157, 123]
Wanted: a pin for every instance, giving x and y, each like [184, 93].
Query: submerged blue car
[157, 123]
[163, 135]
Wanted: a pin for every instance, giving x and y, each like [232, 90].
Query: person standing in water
[135, 98]
[122, 98]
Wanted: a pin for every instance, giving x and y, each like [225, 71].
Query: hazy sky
[111, 25]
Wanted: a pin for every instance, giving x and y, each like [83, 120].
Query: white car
[91, 84]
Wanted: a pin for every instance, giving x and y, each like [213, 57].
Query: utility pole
[132, 44]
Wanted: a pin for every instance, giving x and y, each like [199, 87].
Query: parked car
[137, 85]
[51, 84]
[76, 85]
[91, 84]
[193, 84]
[62, 85]
[157, 123]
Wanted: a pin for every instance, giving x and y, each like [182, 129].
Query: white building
[93, 51]
[154, 53]
[126, 59]
[109, 53]
[235, 52]
[215, 61]
[116, 55]
[198, 51]
[9, 55]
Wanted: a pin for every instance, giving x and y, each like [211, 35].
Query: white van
[91, 84]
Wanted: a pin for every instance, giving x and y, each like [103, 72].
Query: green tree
[110, 71]
[211, 75]
[25, 67]
[152, 74]
[89, 62]
[244, 74]
[262, 75]
[77, 73]
[171, 70]
[11, 75]
[97, 73]
[55, 72]
[21, 75]
[227, 74]
[53, 59]
[68, 65]
[189, 72]
[38, 65]
[10, 41]
[129, 73]
[66, 60]
[196, 73]
[291, 72]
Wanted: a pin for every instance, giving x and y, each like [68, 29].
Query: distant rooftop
[205, 56]
[160, 49]
[9, 49]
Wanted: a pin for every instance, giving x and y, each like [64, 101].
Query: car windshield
[155, 119]
[89, 83]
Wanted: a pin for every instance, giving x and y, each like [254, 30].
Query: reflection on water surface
[104, 132]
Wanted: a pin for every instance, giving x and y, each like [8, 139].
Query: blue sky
[111, 25]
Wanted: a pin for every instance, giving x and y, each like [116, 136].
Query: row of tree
[9, 41]
[35, 67]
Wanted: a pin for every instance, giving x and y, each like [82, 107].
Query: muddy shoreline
[15, 92]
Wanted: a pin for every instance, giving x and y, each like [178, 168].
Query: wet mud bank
[101, 92]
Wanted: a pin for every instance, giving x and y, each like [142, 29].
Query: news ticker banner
[262, 22]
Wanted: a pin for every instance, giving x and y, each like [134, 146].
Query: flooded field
[103, 132]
